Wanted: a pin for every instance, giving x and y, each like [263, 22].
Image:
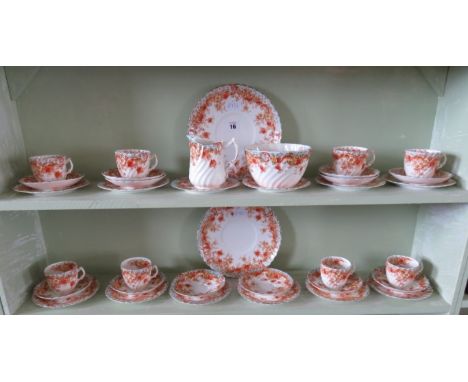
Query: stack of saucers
[336, 281]
[369, 178]
[440, 179]
[115, 182]
[139, 281]
[401, 278]
[65, 284]
[199, 287]
[268, 286]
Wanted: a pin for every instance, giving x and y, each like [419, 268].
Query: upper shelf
[92, 198]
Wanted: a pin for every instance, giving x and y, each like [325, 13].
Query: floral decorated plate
[448, 183]
[73, 299]
[249, 182]
[198, 283]
[185, 185]
[113, 176]
[53, 185]
[112, 187]
[137, 297]
[267, 283]
[419, 285]
[28, 190]
[402, 295]
[328, 173]
[439, 177]
[330, 295]
[239, 112]
[377, 182]
[210, 298]
[353, 284]
[43, 291]
[288, 296]
[118, 284]
[238, 240]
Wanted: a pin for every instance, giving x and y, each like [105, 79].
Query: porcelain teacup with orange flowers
[352, 160]
[62, 277]
[277, 165]
[401, 271]
[208, 166]
[135, 163]
[47, 168]
[423, 163]
[335, 271]
[137, 272]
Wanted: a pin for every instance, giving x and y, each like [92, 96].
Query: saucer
[137, 297]
[113, 176]
[112, 187]
[421, 283]
[353, 284]
[73, 299]
[198, 284]
[402, 295]
[448, 183]
[53, 185]
[269, 283]
[328, 173]
[357, 295]
[249, 182]
[118, 284]
[377, 182]
[439, 177]
[289, 296]
[210, 298]
[43, 291]
[28, 190]
[185, 185]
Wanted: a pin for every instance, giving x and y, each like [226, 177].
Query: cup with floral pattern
[62, 277]
[47, 168]
[135, 163]
[335, 271]
[402, 271]
[423, 163]
[352, 160]
[137, 272]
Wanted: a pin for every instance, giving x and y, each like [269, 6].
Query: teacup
[352, 160]
[62, 277]
[137, 272]
[135, 163]
[335, 271]
[423, 163]
[277, 165]
[208, 167]
[46, 168]
[401, 271]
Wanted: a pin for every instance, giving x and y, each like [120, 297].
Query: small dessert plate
[268, 283]
[448, 183]
[439, 177]
[249, 182]
[198, 283]
[210, 298]
[28, 190]
[289, 296]
[118, 284]
[112, 187]
[353, 284]
[419, 285]
[137, 297]
[72, 299]
[328, 173]
[113, 176]
[185, 185]
[377, 182]
[53, 185]
[330, 295]
[43, 291]
[402, 295]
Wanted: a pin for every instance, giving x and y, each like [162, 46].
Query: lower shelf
[306, 303]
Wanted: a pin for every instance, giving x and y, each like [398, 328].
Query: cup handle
[83, 273]
[69, 162]
[444, 160]
[230, 163]
[154, 272]
[371, 161]
[155, 158]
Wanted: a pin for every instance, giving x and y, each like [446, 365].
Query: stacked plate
[115, 182]
[367, 180]
[199, 287]
[420, 289]
[268, 286]
[30, 185]
[354, 289]
[439, 180]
